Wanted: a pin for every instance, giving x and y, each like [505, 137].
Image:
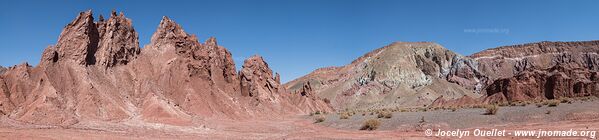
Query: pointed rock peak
[164, 19]
[257, 65]
[118, 41]
[109, 42]
[82, 19]
[120, 19]
[167, 31]
[101, 18]
[278, 78]
[257, 79]
[211, 42]
[113, 13]
[255, 60]
[167, 22]
[79, 39]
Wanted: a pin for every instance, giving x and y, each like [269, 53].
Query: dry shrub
[454, 108]
[319, 119]
[385, 114]
[552, 103]
[491, 109]
[344, 115]
[317, 113]
[371, 124]
[539, 105]
[566, 100]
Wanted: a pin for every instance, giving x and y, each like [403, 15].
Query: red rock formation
[264, 90]
[5, 104]
[544, 70]
[86, 42]
[257, 79]
[118, 42]
[97, 72]
[553, 83]
[306, 90]
[78, 41]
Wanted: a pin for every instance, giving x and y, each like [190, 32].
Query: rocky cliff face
[118, 43]
[78, 41]
[544, 70]
[85, 42]
[257, 80]
[97, 72]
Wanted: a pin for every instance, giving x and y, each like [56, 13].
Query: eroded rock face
[6, 105]
[207, 60]
[544, 70]
[306, 90]
[556, 82]
[107, 43]
[504, 62]
[78, 41]
[257, 80]
[118, 42]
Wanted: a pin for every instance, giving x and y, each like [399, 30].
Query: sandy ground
[403, 125]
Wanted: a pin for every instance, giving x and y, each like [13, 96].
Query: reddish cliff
[544, 70]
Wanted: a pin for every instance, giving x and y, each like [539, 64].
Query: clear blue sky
[298, 36]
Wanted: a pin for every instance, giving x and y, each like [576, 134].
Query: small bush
[317, 113]
[344, 116]
[564, 100]
[491, 109]
[539, 105]
[553, 103]
[385, 114]
[422, 120]
[524, 103]
[371, 124]
[319, 119]
[548, 112]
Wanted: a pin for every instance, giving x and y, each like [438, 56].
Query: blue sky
[297, 36]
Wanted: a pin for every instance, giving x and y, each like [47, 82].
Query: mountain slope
[403, 74]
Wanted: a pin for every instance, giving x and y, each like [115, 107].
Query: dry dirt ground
[403, 125]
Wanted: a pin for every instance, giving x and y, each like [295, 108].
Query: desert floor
[578, 115]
